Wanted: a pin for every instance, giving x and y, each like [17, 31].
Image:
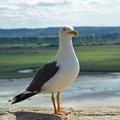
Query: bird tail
[21, 97]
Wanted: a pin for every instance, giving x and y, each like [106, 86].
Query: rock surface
[77, 113]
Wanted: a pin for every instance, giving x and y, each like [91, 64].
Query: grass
[99, 58]
[103, 58]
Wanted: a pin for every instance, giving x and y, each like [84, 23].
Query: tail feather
[21, 97]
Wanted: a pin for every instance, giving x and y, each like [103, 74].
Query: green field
[104, 58]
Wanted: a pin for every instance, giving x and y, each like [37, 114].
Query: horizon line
[57, 27]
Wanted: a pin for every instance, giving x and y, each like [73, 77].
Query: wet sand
[87, 90]
[77, 113]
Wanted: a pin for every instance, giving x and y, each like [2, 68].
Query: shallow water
[26, 71]
[87, 90]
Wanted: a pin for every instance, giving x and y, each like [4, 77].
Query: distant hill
[53, 31]
[87, 36]
[29, 32]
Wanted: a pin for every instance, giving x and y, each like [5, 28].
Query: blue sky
[52, 13]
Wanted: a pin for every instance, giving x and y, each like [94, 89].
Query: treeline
[28, 40]
[113, 38]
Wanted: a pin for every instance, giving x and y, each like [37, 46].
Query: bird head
[67, 32]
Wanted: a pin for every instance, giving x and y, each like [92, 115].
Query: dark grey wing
[43, 75]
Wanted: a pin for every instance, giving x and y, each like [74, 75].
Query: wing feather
[43, 75]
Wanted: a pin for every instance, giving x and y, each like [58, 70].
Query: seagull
[57, 74]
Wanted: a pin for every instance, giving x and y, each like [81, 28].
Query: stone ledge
[77, 113]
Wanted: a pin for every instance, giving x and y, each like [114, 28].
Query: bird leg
[58, 101]
[59, 111]
[53, 101]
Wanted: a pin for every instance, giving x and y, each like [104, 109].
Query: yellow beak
[73, 32]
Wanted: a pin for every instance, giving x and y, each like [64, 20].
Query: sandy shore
[77, 113]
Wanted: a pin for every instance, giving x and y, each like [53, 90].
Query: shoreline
[77, 113]
[16, 75]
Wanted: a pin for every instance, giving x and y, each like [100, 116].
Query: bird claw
[62, 112]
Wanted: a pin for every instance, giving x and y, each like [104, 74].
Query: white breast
[66, 74]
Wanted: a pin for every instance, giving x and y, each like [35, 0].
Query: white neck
[66, 50]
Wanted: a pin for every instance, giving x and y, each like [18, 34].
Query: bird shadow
[21, 115]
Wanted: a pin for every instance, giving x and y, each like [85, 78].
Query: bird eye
[64, 29]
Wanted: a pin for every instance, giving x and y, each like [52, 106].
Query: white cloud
[39, 13]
